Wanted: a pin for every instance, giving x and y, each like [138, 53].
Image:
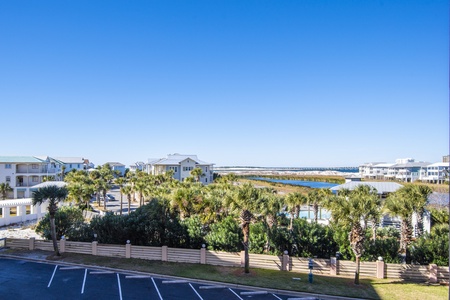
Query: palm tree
[354, 211]
[4, 189]
[127, 190]
[294, 201]
[121, 182]
[140, 187]
[404, 203]
[80, 187]
[54, 195]
[245, 200]
[197, 173]
[317, 198]
[270, 206]
[419, 196]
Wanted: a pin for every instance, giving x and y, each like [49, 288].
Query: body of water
[311, 184]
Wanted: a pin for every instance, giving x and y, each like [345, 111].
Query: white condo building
[23, 173]
[406, 170]
[437, 172]
[181, 165]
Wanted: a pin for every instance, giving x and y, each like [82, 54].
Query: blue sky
[262, 83]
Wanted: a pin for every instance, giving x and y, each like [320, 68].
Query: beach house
[181, 165]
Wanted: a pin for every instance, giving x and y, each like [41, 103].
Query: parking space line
[196, 292]
[51, 279]
[175, 281]
[157, 290]
[70, 268]
[277, 297]
[235, 293]
[120, 288]
[84, 281]
[253, 293]
[208, 287]
[100, 272]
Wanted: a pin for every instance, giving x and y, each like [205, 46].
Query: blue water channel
[311, 184]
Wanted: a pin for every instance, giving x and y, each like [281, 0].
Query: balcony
[36, 169]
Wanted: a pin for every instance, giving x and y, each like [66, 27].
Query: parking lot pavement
[21, 279]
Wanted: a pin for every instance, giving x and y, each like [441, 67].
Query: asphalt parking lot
[22, 279]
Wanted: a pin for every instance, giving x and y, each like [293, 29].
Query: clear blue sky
[262, 83]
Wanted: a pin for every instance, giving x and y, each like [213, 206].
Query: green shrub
[67, 220]
[225, 235]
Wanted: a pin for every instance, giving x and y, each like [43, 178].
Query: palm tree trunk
[129, 203]
[246, 232]
[121, 205]
[316, 212]
[53, 234]
[357, 270]
[292, 221]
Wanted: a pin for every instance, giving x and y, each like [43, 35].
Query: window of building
[7, 166]
[34, 166]
[78, 166]
[70, 166]
[206, 169]
[35, 179]
[8, 178]
[175, 169]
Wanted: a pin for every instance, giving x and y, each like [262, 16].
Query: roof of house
[20, 159]
[440, 164]
[50, 183]
[176, 159]
[383, 165]
[115, 164]
[381, 187]
[70, 160]
[415, 164]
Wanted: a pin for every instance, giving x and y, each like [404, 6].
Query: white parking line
[196, 292]
[120, 288]
[235, 293]
[70, 268]
[84, 281]
[175, 281]
[277, 297]
[51, 279]
[157, 290]
[208, 287]
[253, 293]
[137, 276]
[101, 272]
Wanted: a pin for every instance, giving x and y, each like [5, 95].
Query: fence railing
[379, 269]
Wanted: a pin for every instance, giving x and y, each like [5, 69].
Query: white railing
[22, 215]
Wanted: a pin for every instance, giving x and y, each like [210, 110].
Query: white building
[407, 171]
[181, 165]
[116, 166]
[437, 172]
[72, 163]
[23, 173]
[374, 170]
[140, 165]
